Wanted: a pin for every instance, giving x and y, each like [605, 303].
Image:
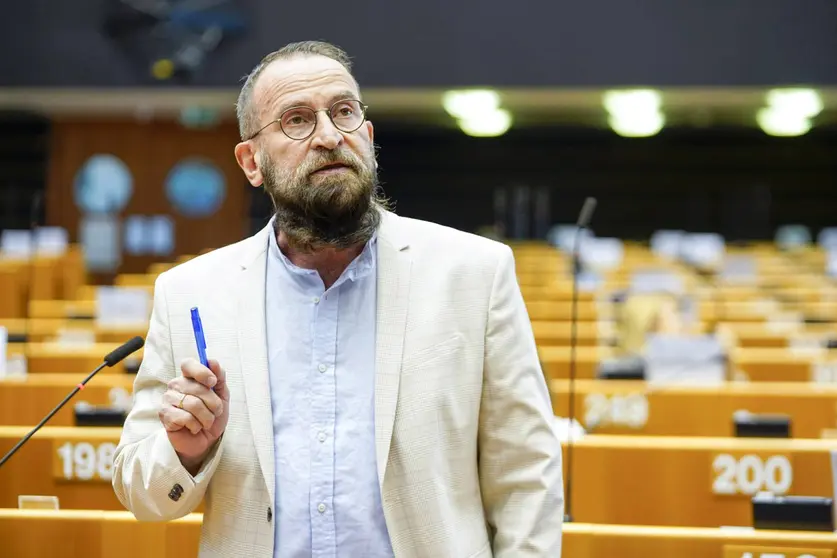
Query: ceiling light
[637, 125]
[643, 100]
[783, 123]
[634, 113]
[463, 104]
[804, 102]
[489, 123]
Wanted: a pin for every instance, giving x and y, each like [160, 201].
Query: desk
[758, 364]
[691, 481]
[56, 452]
[45, 358]
[98, 534]
[43, 330]
[95, 534]
[617, 479]
[639, 408]
[25, 401]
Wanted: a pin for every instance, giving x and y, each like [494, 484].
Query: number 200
[750, 474]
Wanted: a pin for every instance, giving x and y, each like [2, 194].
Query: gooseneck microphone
[583, 222]
[114, 357]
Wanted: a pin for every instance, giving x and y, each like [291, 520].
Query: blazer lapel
[252, 346]
[394, 265]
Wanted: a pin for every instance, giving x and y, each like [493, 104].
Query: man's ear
[245, 154]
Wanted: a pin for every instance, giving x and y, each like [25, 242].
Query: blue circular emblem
[196, 188]
[103, 184]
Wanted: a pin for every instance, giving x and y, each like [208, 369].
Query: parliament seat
[67, 359]
[24, 401]
[690, 481]
[635, 407]
[106, 534]
[755, 364]
[662, 480]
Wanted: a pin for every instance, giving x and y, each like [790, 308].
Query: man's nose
[326, 134]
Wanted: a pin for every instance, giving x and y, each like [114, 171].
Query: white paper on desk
[16, 244]
[682, 358]
[51, 241]
[739, 269]
[703, 249]
[122, 307]
[831, 262]
[4, 343]
[666, 243]
[653, 280]
[602, 254]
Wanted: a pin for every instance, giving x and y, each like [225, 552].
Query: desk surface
[616, 479]
[642, 408]
[96, 534]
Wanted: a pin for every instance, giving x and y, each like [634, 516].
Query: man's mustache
[333, 159]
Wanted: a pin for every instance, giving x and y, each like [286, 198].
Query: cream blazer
[469, 462]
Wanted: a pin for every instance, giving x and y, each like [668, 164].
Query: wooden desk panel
[95, 534]
[44, 330]
[25, 401]
[758, 364]
[700, 482]
[51, 358]
[639, 408]
[103, 534]
[33, 469]
[617, 479]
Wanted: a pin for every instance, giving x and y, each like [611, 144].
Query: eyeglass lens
[299, 122]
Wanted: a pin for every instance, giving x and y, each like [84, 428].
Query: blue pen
[200, 340]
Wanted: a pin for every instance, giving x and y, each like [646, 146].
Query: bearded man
[374, 388]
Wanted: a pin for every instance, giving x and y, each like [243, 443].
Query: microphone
[114, 357]
[583, 222]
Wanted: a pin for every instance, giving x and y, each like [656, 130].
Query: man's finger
[193, 369]
[210, 398]
[191, 404]
[221, 377]
[175, 419]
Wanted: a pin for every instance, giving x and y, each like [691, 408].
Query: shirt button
[321, 436]
[322, 368]
[321, 508]
[316, 299]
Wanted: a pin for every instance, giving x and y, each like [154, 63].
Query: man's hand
[195, 411]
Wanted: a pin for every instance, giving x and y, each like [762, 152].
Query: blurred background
[120, 112]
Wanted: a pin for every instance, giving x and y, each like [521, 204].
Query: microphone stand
[51, 414]
[583, 221]
[113, 358]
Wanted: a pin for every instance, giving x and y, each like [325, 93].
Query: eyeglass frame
[278, 120]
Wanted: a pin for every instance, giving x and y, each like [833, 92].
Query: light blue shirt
[321, 350]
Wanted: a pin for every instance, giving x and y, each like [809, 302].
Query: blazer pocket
[432, 354]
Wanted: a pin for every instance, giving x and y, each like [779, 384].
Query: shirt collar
[361, 266]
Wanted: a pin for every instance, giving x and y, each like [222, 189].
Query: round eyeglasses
[298, 123]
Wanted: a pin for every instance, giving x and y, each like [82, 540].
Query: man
[374, 388]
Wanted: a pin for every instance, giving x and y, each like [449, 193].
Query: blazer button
[269, 514]
[176, 492]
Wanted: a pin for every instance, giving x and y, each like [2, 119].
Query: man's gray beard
[338, 212]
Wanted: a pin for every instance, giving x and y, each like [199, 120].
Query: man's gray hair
[244, 109]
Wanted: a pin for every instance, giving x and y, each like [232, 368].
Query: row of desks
[601, 406]
[673, 481]
[547, 333]
[754, 364]
[102, 534]
[538, 309]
